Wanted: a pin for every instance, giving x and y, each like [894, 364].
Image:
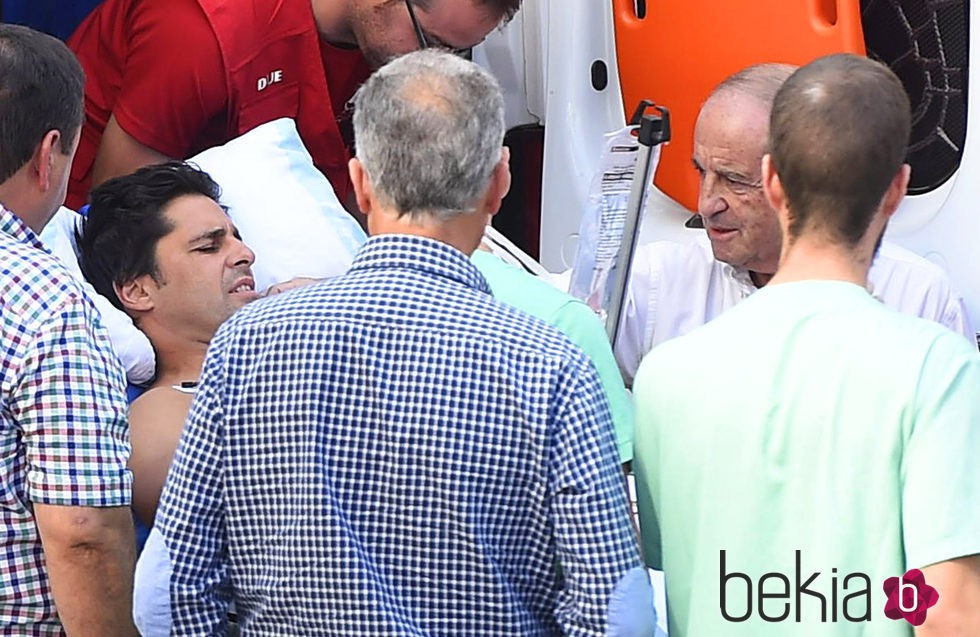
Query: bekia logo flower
[909, 597]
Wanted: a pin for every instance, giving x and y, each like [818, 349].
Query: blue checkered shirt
[64, 438]
[395, 453]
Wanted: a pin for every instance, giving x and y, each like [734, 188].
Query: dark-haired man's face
[729, 141]
[383, 29]
[204, 271]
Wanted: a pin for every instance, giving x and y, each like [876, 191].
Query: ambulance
[574, 70]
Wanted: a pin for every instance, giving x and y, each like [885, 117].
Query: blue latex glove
[631, 608]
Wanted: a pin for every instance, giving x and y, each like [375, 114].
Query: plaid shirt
[63, 431]
[395, 453]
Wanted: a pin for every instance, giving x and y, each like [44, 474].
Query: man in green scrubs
[798, 455]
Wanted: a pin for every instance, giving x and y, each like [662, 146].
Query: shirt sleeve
[191, 513]
[941, 477]
[956, 318]
[577, 321]
[151, 588]
[594, 538]
[635, 328]
[173, 83]
[910, 284]
[71, 408]
[645, 460]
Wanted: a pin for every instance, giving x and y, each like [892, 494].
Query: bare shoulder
[159, 409]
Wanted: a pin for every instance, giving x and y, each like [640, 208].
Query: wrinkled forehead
[733, 116]
[732, 128]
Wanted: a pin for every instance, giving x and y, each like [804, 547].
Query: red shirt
[162, 69]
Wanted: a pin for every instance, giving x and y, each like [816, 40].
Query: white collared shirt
[676, 287]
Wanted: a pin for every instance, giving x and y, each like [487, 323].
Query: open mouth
[245, 287]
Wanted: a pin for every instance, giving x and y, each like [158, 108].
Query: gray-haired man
[833, 441]
[394, 452]
[675, 288]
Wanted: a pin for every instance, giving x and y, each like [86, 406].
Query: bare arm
[156, 420]
[958, 610]
[90, 554]
[120, 154]
[173, 85]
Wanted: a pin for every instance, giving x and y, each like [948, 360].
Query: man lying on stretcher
[159, 246]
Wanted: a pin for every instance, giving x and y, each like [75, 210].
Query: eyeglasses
[424, 42]
[419, 33]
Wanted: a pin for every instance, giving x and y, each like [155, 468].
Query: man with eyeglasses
[169, 79]
[675, 287]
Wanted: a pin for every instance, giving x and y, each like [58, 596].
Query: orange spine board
[682, 49]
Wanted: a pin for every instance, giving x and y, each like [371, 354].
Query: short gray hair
[429, 128]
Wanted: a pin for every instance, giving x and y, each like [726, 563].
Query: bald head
[761, 81]
[755, 87]
[838, 136]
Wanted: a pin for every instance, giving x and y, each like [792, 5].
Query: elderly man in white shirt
[674, 287]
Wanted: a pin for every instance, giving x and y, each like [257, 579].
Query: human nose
[711, 196]
[242, 255]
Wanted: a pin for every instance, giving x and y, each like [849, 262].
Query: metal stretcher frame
[653, 130]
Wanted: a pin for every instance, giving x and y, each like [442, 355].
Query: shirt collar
[741, 276]
[744, 279]
[422, 254]
[14, 227]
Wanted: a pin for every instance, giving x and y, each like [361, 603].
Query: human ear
[135, 294]
[363, 189]
[42, 162]
[896, 190]
[771, 185]
[500, 182]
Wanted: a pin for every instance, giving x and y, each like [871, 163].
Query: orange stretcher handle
[682, 49]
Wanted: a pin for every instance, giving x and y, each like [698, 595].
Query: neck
[760, 279]
[463, 232]
[817, 258]
[178, 361]
[333, 21]
[13, 199]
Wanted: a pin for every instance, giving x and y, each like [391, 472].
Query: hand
[279, 288]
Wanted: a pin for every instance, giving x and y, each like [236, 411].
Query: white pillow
[284, 208]
[130, 344]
